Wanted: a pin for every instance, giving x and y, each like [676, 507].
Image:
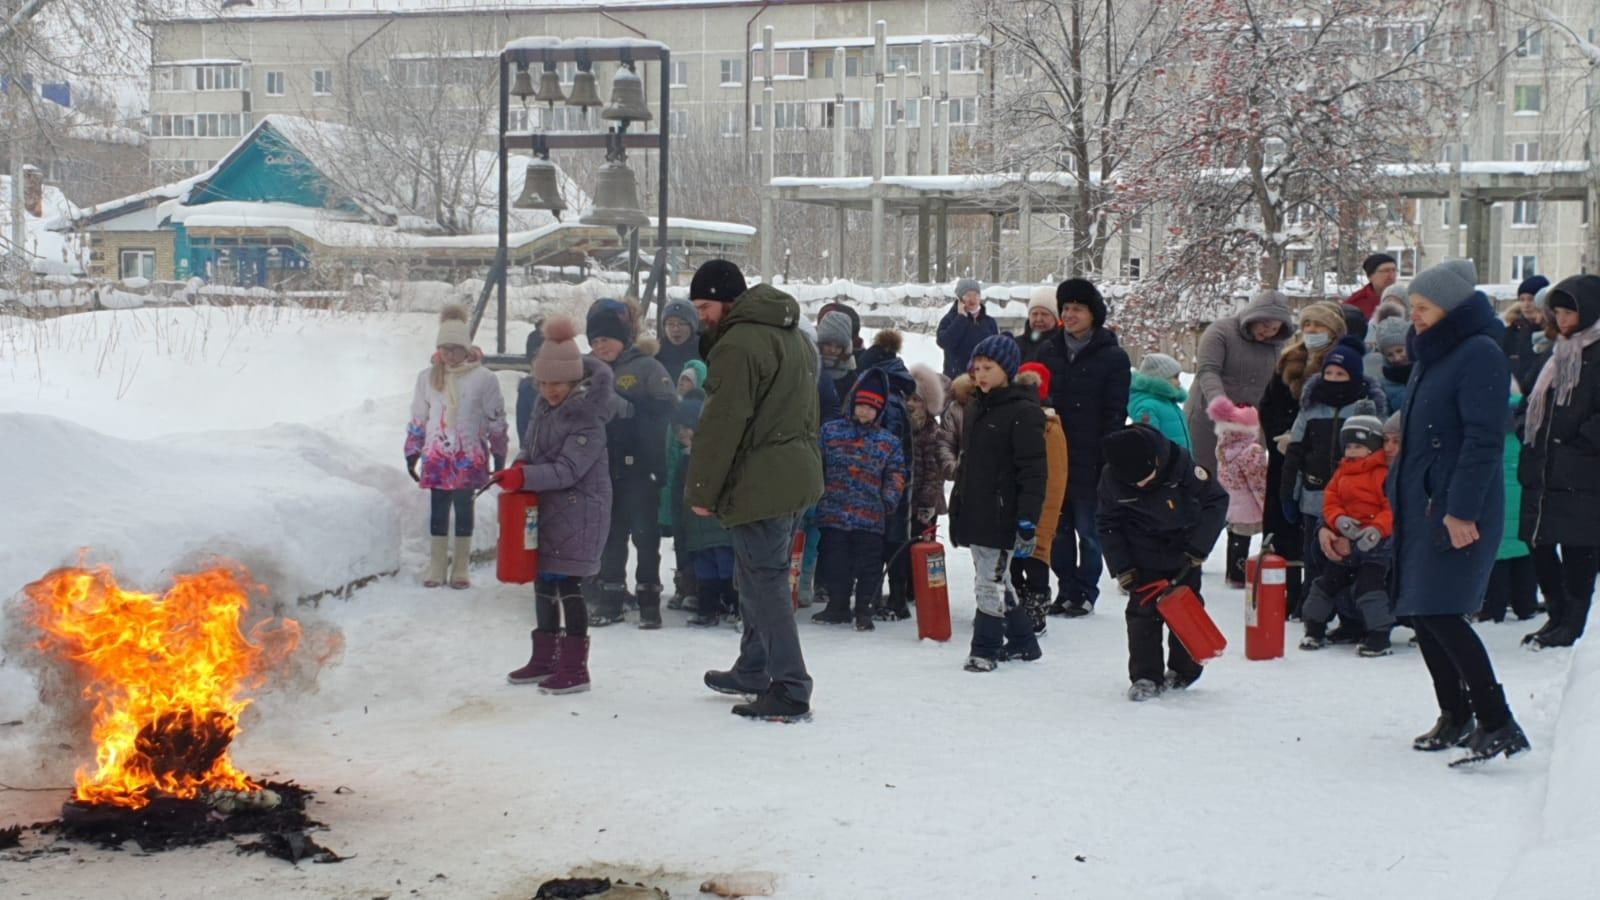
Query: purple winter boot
[572, 667]
[542, 664]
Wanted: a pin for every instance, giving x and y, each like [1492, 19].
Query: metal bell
[522, 87]
[549, 86]
[627, 99]
[540, 188]
[585, 93]
[616, 199]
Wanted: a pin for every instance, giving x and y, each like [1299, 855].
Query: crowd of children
[994, 429]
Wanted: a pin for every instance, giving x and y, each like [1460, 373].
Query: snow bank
[1561, 861]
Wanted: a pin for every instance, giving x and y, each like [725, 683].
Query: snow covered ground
[1291, 778]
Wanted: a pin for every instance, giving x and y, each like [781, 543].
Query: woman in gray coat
[1236, 360]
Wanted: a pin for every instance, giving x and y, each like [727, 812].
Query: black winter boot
[609, 610]
[1022, 645]
[1375, 643]
[1574, 615]
[1498, 733]
[836, 613]
[649, 606]
[988, 639]
[1037, 604]
[1451, 730]
[774, 705]
[1238, 553]
[1316, 636]
[709, 610]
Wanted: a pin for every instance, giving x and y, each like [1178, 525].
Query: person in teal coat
[1513, 582]
[1156, 399]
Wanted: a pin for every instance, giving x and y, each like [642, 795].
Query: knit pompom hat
[1002, 350]
[1390, 334]
[1159, 365]
[695, 370]
[559, 359]
[1391, 425]
[453, 327]
[1364, 430]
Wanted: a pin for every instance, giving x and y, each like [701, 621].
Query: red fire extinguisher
[1180, 607]
[797, 561]
[517, 561]
[1266, 602]
[928, 585]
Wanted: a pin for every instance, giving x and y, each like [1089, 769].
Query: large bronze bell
[627, 99]
[540, 187]
[549, 86]
[616, 199]
[522, 86]
[585, 92]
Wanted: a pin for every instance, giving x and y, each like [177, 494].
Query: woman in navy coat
[1447, 492]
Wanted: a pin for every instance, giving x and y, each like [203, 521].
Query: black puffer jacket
[1560, 464]
[1090, 394]
[1000, 480]
[1044, 350]
[636, 436]
[1155, 529]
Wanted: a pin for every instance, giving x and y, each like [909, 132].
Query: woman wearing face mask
[1321, 325]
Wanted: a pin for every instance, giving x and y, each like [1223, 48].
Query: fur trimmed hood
[963, 389]
[1230, 416]
[930, 387]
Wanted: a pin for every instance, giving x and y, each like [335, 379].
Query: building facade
[214, 77]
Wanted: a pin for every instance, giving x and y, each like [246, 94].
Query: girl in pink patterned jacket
[1242, 470]
[457, 435]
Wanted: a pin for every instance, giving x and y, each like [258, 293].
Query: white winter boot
[460, 562]
[438, 553]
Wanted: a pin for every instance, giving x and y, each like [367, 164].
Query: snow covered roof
[891, 40]
[205, 10]
[53, 253]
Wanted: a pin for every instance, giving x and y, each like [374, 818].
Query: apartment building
[214, 76]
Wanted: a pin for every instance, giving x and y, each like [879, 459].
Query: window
[1452, 151]
[165, 79]
[218, 78]
[1014, 64]
[1525, 214]
[137, 264]
[911, 113]
[1524, 267]
[963, 57]
[1530, 43]
[909, 57]
[1528, 152]
[1132, 268]
[680, 74]
[561, 118]
[963, 111]
[162, 126]
[1136, 222]
[732, 124]
[322, 82]
[732, 69]
[217, 124]
[274, 84]
[852, 65]
[852, 113]
[1529, 99]
[785, 64]
[412, 73]
[679, 125]
[787, 115]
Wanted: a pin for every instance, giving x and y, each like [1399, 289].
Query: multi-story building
[213, 76]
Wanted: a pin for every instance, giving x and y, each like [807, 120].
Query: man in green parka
[757, 465]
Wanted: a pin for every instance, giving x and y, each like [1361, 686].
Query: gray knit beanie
[1447, 285]
[1391, 425]
[835, 329]
[1159, 365]
[968, 284]
[1390, 333]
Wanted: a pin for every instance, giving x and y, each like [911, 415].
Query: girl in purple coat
[563, 460]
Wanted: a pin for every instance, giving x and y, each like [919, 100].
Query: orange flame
[165, 675]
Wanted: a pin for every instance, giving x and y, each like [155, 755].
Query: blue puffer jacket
[960, 334]
[864, 468]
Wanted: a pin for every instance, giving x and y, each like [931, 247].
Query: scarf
[1561, 373]
[1075, 345]
[1397, 374]
[1338, 394]
[840, 367]
[447, 380]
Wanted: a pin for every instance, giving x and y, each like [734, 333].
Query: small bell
[540, 189]
[585, 93]
[627, 99]
[549, 86]
[616, 199]
[522, 87]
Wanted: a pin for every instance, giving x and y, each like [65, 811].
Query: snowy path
[1290, 778]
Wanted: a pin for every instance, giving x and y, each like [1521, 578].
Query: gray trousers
[769, 651]
[989, 584]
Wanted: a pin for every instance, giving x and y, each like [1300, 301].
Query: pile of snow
[53, 253]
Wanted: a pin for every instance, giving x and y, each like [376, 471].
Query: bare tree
[1073, 93]
[1281, 120]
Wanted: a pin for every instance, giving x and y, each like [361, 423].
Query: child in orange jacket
[1355, 537]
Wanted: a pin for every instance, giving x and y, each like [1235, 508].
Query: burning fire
[165, 675]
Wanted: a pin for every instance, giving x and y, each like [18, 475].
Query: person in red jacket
[1382, 271]
[1355, 538]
